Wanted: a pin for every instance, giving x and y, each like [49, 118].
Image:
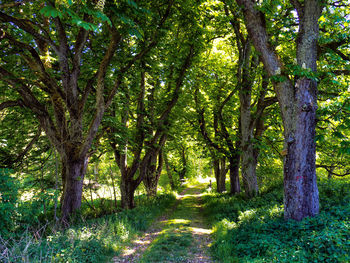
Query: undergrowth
[255, 230]
[93, 240]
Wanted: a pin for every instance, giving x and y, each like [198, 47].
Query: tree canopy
[256, 89]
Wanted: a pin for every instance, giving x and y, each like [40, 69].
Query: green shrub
[8, 200]
[255, 230]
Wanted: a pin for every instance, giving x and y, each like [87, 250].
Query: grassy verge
[94, 240]
[255, 231]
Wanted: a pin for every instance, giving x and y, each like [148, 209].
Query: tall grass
[95, 240]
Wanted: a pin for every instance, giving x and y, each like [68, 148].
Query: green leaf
[338, 134]
[133, 4]
[50, 11]
[135, 32]
[320, 138]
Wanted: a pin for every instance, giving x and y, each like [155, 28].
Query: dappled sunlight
[193, 195]
[128, 251]
[153, 233]
[200, 231]
[176, 221]
[205, 180]
[142, 242]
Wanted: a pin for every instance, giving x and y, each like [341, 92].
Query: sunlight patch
[177, 221]
[128, 252]
[201, 231]
[142, 242]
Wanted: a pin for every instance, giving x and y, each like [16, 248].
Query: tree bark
[127, 189]
[298, 105]
[220, 173]
[300, 186]
[234, 174]
[248, 162]
[73, 186]
[152, 174]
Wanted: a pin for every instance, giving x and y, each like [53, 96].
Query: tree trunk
[297, 103]
[73, 186]
[234, 174]
[300, 186]
[249, 163]
[127, 189]
[220, 174]
[152, 174]
[149, 180]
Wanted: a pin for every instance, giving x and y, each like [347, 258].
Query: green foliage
[8, 198]
[70, 11]
[91, 241]
[255, 230]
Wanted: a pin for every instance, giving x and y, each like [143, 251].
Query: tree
[297, 102]
[144, 125]
[61, 74]
[220, 131]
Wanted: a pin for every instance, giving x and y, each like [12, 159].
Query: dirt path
[182, 224]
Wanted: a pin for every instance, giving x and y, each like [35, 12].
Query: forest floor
[180, 234]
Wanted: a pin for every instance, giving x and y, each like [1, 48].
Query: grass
[94, 240]
[255, 231]
[171, 246]
[176, 239]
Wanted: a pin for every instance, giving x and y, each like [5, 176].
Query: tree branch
[330, 168]
[25, 25]
[11, 103]
[28, 147]
[31, 102]
[36, 65]
[101, 106]
[78, 49]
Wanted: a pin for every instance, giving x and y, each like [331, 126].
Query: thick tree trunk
[220, 174]
[151, 186]
[73, 186]
[149, 178]
[234, 174]
[127, 190]
[300, 186]
[249, 163]
[297, 103]
[152, 174]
